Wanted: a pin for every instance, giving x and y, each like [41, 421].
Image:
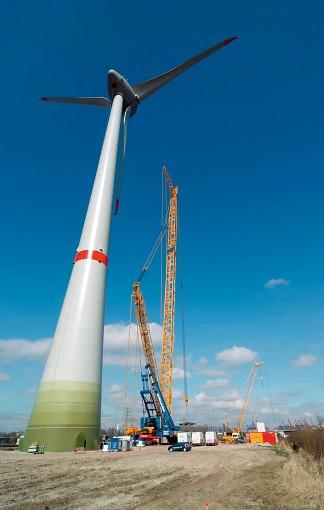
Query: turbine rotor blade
[145, 89]
[121, 168]
[92, 101]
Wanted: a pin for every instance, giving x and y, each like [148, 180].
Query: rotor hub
[118, 85]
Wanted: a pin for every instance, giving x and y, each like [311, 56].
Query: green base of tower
[66, 415]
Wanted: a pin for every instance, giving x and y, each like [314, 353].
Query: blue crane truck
[158, 417]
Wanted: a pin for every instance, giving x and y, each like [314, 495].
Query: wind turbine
[66, 412]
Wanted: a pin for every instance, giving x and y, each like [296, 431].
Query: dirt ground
[240, 477]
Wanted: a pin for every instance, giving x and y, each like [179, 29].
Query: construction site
[190, 466]
[149, 478]
[156, 424]
[187, 376]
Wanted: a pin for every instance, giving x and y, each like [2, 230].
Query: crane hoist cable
[140, 310]
[155, 248]
[184, 354]
[182, 312]
[137, 355]
[127, 359]
[268, 390]
[163, 221]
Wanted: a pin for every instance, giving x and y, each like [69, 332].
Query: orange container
[256, 437]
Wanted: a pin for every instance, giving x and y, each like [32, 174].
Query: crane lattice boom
[248, 395]
[145, 332]
[166, 362]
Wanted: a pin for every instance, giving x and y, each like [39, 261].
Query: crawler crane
[233, 436]
[157, 388]
[158, 422]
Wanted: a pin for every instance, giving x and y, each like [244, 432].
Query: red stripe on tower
[99, 256]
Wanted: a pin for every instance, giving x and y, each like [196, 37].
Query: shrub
[304, 482]
[311, 440]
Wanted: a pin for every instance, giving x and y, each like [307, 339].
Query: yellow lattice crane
[143, 326]
[230, 435]
[167, 347]
[145, 332]
[165, 375]
[249, 391]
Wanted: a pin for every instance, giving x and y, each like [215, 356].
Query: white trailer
[184, 437]
[198, 439]
[211, 438]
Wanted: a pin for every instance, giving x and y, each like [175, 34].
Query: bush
[304, 482]
[311, 440]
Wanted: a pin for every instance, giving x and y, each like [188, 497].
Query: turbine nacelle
[117, 84]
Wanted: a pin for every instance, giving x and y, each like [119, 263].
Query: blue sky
[242, 135]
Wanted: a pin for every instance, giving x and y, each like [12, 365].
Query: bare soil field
[240, 477]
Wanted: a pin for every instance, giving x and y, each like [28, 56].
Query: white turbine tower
[66, 412]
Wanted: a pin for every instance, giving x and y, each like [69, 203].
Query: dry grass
[304, 481]
[310, 440]
[303, 475]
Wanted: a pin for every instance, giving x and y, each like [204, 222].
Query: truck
[198, 439]
[184, 437]
[211, 438]
[148, 436]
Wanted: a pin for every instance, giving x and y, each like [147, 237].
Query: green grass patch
[282, 452]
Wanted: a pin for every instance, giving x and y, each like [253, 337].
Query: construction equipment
[143, 326]
[157, 417]
[231, 437]
[157, 386]
[235, 435]
[35, 448]
[166, 362]
[249, 391]
[158, 422]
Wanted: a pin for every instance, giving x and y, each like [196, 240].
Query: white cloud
[201, 400]
[16, 349]
[122, 360]
[115, 345]
[202, 362]
[116, 396]
[178, 373]
[275, 282]
[116, 336]
[236, 356]
[230, 395]
[11, 421]
[116, 388]
[177, 394]
[4, 377]
[30, 391]
[203, 368]
[215, 383]
[304, 360]
[116, 340]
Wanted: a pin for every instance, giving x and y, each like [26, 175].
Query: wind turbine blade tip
[229, 40]
[44, 99]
